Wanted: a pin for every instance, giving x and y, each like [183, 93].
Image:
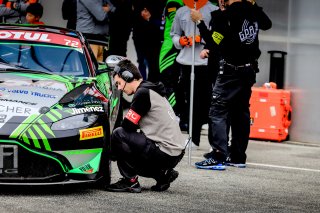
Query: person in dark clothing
[120, 25]
[159, 145]
[34, 13]
[69, 13]
[181, 33]
[14, 12]
[234, 38]
[147, 36]
[169, 67]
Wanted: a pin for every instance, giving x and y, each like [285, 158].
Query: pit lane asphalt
[280, 177]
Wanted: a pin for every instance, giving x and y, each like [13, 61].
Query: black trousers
[230, 99]
[138, 155]
[201, 98]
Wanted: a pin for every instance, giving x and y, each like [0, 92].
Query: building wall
[296, 30]
[52, 14]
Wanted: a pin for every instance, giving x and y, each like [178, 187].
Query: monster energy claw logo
[249, 32]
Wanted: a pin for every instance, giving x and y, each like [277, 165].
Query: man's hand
[197, 39]
[146, 15]
[204, 53]
[106, 8]
[184, 41]
[252, 1]
[188, 41]
[195, 15]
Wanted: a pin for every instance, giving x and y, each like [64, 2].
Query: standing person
[147, 36]
[213, 59]
[69, 13]
[169, 68]
[120, 25]
[181, 33]
[159, 145]
[234, 37]
[19, 8]
[34, 13]
[92, 18]
[7, 12]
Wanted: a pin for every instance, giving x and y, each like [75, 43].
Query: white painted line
[275, 166]
[284, 167]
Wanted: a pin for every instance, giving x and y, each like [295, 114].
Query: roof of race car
[41, 33]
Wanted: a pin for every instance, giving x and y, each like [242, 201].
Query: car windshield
[57, 59]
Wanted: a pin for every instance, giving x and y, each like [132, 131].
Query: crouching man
[149, 142]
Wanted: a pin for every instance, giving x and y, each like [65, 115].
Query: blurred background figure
[168, 66]
[93, 20]
[14, 12]
[120, 26]
[181, 33]
[34, 13]
[69, 13]
[147, 36]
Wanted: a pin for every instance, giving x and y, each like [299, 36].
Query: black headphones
[126, 75]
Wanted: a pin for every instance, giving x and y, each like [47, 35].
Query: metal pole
[192, 78]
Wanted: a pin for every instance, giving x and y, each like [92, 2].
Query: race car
[58, 106]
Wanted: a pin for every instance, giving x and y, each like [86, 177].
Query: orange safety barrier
[270, 113]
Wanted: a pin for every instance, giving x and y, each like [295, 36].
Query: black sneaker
[125, 185]
[164, 183]
[229, 162]
[210, 163]
[208, 155]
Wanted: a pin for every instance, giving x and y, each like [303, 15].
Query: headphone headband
[125, 74]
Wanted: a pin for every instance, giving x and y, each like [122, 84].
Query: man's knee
[117, 134]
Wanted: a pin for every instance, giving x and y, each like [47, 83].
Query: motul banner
[39, 37]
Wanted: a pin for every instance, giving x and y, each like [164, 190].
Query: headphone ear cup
[127, 76]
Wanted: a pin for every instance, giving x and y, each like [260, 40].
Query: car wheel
[105, 164]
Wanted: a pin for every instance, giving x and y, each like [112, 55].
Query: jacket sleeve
[215, 35]
[206, 35]
[176, 31]
[263, 20]
[21, 7]
[139, 107]
[95, 9]
[67, 7]
[4, 11]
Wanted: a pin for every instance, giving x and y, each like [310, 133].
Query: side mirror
[113, 60]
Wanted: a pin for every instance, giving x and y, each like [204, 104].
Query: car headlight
[75, 122]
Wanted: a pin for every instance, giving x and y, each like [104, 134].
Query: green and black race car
[57, 108]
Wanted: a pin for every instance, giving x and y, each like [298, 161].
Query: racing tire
[105, 165]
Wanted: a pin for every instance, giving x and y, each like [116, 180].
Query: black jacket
[233, 33]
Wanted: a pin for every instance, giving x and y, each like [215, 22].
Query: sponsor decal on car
[86, 168]
[39, 37]
[15, 109]
[27, 92]
[91, 133]
[18, 101]
[87, 109]
[46, 87]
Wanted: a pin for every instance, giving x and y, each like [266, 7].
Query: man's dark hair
[129, 66]
[35, 9]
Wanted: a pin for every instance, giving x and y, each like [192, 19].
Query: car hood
[26, 94]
